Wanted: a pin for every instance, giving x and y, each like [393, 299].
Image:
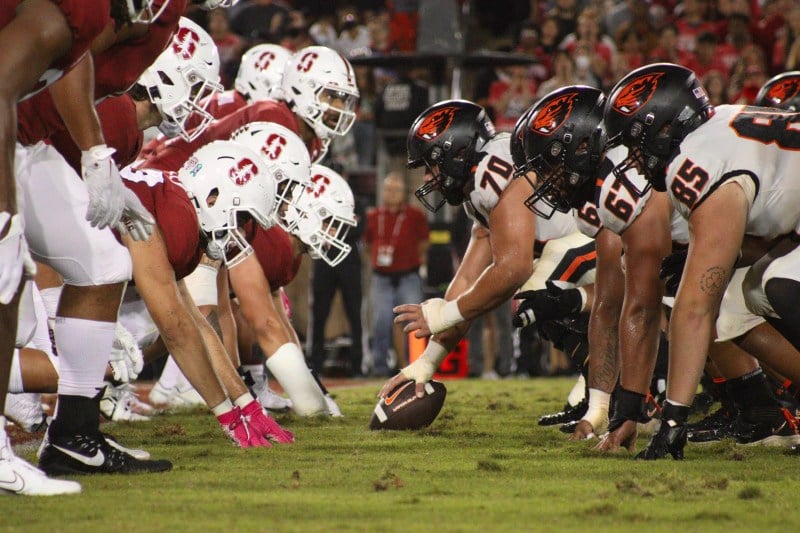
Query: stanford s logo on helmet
[243, 171]
[319, 183]
[273, 146]
[436, 124]
[553, 115]
[185, 42]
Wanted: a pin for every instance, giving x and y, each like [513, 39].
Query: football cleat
[670, 439]
[765, 427]
[20, 477]
[25, 410]
[120, 404]
[175, 398]
[333, 407]
[712, 428]
[92, 454]
[269, 399]
[570, 413]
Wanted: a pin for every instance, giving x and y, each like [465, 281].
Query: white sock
[578, 391]
[244, 400]
[50, 298]
[83, 348]
[222, 408]
[170, 375]
[15, 385]
[288, 366]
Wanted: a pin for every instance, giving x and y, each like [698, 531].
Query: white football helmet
[208, 5]
[261, 71]
[183, 79]
[319, 84]
[287, 158]
[324, 216]
[146, 11]
[228, 184]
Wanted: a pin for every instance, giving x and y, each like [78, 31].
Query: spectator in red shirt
[693, 20]
[589, 40]
[397, 240]
[229, 45]
[510, 97]
[716, 86]
[706, 56]
[668, 50]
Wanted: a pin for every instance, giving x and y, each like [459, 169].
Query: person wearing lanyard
[397, 239]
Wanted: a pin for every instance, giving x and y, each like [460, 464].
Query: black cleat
[713, 428]
[91, 454]
[569, 427]
[765, 428]
[670, 439]
[571, 413]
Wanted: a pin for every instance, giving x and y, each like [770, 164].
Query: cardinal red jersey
[120, 130]
[86, 20]
[274, 251]
[164, 197]
[117, 68]
[171, 154]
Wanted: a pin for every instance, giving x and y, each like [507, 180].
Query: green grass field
[484, 465]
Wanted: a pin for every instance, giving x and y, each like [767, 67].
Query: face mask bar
[288, 208]
[339, 118]
[143, 11]
[633, 161]
[331, 246]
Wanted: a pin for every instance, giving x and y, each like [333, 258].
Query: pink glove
[263, 424]
[287, 305]
[238, 430]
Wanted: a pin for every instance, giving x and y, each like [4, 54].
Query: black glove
[546, 304]
[570, 335]
[672, 270]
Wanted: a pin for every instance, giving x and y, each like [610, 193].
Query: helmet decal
[307, 61]
[319, 183]
[636, 93]
[553, 115]
[273, 146]
[784, 90]
[243, 171]
[185, 42]
[436, 124]
[263, 61]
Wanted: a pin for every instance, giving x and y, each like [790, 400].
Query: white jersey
[492, 175]
[750, 143]
[587, 219]
[619, 205]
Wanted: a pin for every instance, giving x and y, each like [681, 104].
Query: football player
[45, 40]
[662, 115]
[469, 164]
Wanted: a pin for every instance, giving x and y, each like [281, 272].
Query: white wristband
[441, 315]
[422, 370]
[435, 353]
[584, 297]
[597, 412]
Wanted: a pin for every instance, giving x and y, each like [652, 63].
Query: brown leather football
[403, 410]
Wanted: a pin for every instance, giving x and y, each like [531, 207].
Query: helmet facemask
[176, 117]
[334, 111]
[144, 11]
[444, 186]
[322, 231]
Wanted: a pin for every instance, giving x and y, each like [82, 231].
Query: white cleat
[20, 477]
[120, 404]
[271, 400]
[175, 398]
[333, 407]
[25, 410]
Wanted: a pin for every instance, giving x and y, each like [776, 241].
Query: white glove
[126, 359]
[14, 256]
[422, 370]
[440, 314]
[106, 191]
[136, 220]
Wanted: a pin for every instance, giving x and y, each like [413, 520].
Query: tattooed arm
[716, 229]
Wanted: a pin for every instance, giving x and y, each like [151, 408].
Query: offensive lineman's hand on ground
[623, 436]
[583, 431]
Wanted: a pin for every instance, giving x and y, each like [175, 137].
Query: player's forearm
[604, 360]
[638, 340]
[73, 96]
[8, 195]
[494, 286]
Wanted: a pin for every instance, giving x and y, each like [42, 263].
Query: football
[403, 410]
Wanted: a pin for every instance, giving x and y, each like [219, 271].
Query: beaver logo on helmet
[783, 90]
[636, 93]
[436, 123]
[554, 114]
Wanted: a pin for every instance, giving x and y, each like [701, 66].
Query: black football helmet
[650, 111]
[563, 142]
[781, 91]
[446, 138]
[517, 148]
